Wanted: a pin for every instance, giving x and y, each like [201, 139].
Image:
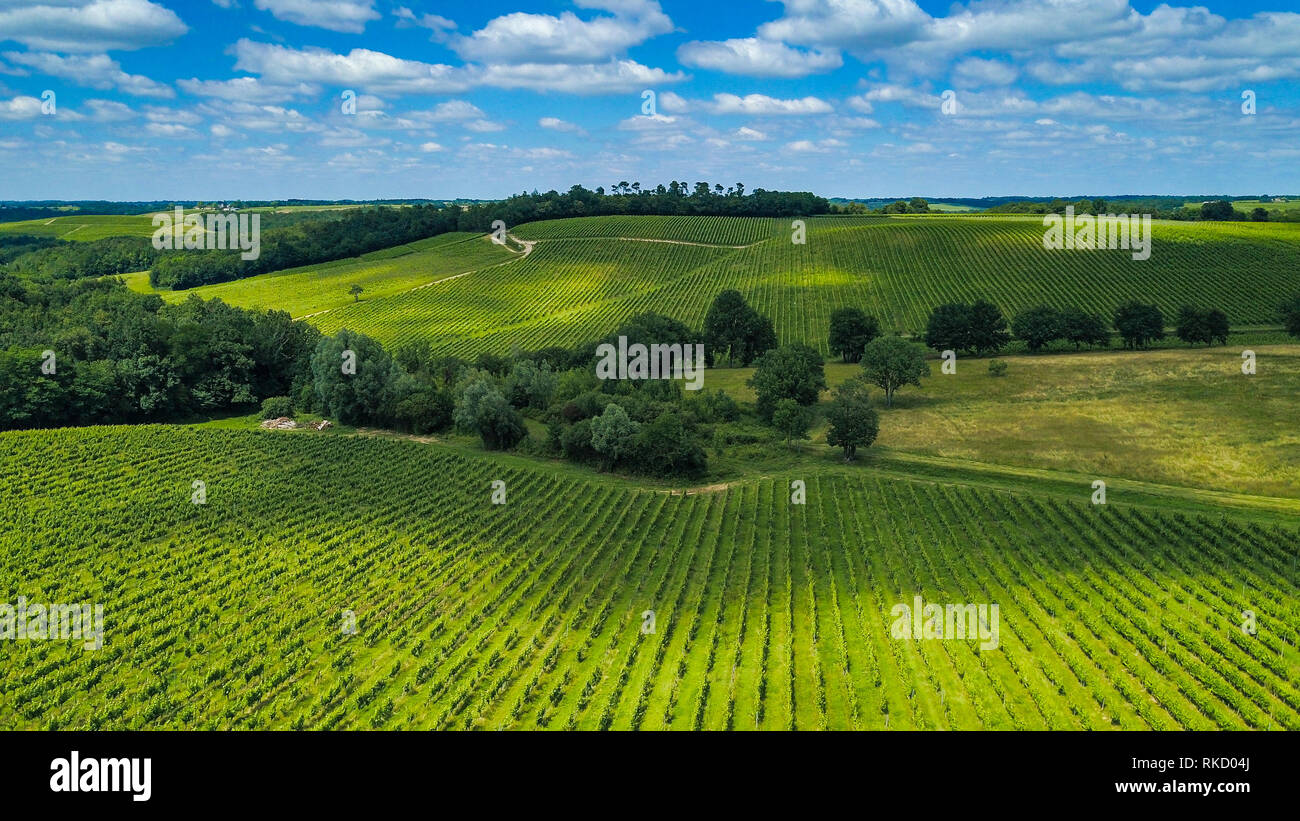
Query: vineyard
[530, 614]
[318, 288]
[586, 275]
[84, 228]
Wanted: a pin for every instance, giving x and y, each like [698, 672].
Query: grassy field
[584, 276]
[1178, 417]
[529, 614]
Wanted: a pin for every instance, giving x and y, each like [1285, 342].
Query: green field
[585, 275]
[84, 228]
[528, 614]
[317, 288]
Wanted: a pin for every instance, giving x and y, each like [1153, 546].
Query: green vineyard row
[530, 614]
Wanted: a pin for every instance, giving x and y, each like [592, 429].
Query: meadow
[585, 275]
[530, 614]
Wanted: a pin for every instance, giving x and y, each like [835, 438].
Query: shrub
[997, 367]
[273, 407]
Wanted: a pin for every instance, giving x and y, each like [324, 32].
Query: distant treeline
[318, 240]
[1167, 208]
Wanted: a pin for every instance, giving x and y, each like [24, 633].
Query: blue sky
[216, 99]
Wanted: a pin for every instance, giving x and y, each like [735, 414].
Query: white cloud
[974, 71]
[753, 57]
[349, 16]
[617, 76]
[94, 26]
[814, 146]
[109, 111]
[20, 108]
[455, 110]
[556, 124]
[430, 147]
[246, 89]
[761, 104]
[359, 68]
[97, 71]
[523, 38]
[862, 25]
[747, 133]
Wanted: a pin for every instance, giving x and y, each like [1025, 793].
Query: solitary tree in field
[891, 362]
[356, 290]
[851, 330]
[1139, 325]
[853, 422]
[792, 419]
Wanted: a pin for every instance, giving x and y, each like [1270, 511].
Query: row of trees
[980, 327]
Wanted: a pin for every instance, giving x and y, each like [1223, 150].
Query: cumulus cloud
[359, 68]
[349, 16]
[93, 26]
[246, 89]
[97, 71]
[526, 38]
[753, 57]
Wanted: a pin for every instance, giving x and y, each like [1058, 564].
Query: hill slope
[767, 614]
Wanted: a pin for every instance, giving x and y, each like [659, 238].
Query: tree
[530, 385]
[424, 409]
[1081, 328]
[948, 328]
[1289, 313]
[791, 419]
[499, 425]
[1217, 210]
[789, 372]
[1259, 215]
[356, 290]
[1201, 325]
[1038, 326]
[667, 446]
[354, 378]
[891, 362]
[850, 331]
[918, 205]
[613, 435]
[988, 328]
[854, 423]
[274, 407]
[1139, 325]
[734, 329]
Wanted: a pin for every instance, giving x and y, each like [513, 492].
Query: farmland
[586, 275]
[529, 614]
[318, 288]
[84, 228]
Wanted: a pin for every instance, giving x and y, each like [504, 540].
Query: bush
[273, 407]
[997, 367]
